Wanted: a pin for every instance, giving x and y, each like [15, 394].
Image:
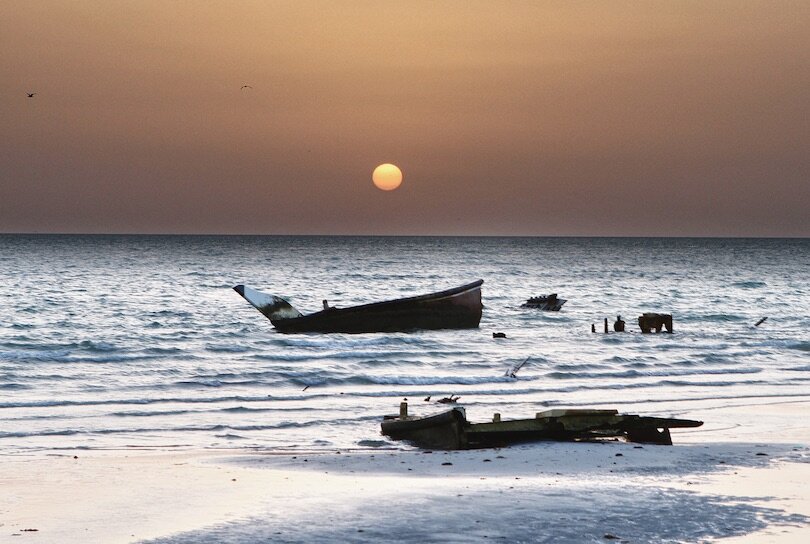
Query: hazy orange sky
[527, 118]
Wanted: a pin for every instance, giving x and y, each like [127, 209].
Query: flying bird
[30, 95]
[246, 87]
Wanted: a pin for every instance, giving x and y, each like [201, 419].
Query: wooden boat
[545, 302]
[450, 430]
[458, 308]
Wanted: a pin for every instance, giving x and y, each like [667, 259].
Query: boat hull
[549, 304]
[450, 430]
[444, 431]
[458, 308]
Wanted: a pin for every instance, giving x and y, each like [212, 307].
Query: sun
[387, 177]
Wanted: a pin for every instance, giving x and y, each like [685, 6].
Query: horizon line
[628, 236]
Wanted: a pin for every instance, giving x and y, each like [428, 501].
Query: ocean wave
[749, 284]
[35, 355]
[160, 350]
[686, 383]
[183, 428]
[13, 386]
[99, 356]
[634, 373]
[366, 356]
[51, 432]
[200, 383]
[96, 347]
[366, 379]
[158, 413]
[227, 348]
[130, 401]
[716, 318]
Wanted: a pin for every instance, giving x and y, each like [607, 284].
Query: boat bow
[273, 307]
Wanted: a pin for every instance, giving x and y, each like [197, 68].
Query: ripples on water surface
[111, 341]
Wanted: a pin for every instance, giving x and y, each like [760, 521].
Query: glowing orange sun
[387, 177]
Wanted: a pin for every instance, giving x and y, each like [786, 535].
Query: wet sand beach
[707, 487]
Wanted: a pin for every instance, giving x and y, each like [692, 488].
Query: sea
[128, 341]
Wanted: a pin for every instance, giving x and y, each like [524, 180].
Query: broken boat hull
[450, 430]
[548, 303]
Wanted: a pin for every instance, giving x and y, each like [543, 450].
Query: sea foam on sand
[707, 487]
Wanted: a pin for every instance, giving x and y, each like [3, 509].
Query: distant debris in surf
[452, 399]
[498, 335]
[649, 321]
[760, 322]
[511, 372]
[550, 303]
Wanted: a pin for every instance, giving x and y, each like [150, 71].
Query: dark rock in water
[498, 335]
[609, 536]
[372, 443]
[448, 400]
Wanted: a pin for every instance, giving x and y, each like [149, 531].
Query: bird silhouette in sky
[246, 87]
[30, 95]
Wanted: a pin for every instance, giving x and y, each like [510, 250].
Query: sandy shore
[705, 488]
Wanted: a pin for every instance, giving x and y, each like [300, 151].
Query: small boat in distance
[549, 303]
[450, 430]
[457, 308]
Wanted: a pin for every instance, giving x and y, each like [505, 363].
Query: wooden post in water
[593, 327]
[606, 326]
[403, 410]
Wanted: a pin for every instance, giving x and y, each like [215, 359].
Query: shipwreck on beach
[450, 430]
[457, 308]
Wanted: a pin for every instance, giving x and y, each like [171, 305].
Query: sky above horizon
[686, 118]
